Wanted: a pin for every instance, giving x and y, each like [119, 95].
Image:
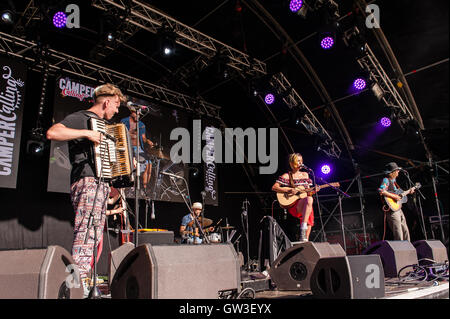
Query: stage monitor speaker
[394, 254]
[116, 257]
[431, 249]
[293, 268]
[39, 274]
[348, 277]
[177, 272]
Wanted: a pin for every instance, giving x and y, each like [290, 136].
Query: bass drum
[215, 238]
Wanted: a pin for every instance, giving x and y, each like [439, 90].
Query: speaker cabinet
[116, 257]
[156, 237]
[177, 272]
[293, 268]
[394, 255]
[431, 249]
[348, 277]
[39, 274]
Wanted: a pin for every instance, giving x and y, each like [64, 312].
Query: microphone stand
[245, 205]
[190, 206]
[137, 186]
[340, 208]
[411, 184]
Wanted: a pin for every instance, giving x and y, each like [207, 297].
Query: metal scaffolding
[58, 62]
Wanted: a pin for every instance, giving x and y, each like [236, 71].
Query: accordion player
[113, 156]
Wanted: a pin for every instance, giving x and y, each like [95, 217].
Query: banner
[70, 96]
[210, 166]
[156, 124]
[12, 90]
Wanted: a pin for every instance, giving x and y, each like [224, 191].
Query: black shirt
[80, 150]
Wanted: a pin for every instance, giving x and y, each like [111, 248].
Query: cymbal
[205, 223]
[155, 151]
[227, 227]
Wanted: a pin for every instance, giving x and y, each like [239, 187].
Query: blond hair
[108, 89]
[294, 156]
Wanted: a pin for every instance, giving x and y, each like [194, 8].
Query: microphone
[136, 106]
[152, 215]
[171, 175]
[305, 167]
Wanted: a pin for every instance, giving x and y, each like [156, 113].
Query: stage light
[110, 37]
[7, 17]
[59, 19]
[295, 5]
[385, 121]
[325, 169]
[327, 42]
[269, 98]
[359, 84]
[377, 91]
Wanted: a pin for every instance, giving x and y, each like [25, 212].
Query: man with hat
[388, 188]
[188, 229]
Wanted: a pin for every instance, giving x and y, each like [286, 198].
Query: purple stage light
[59, 19]
[359, 84]
[325, 169]
[385, 121]
[269, 99]
[295, 5]
[327, 43]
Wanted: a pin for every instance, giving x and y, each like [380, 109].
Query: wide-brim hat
[197, 205]
[391, 167]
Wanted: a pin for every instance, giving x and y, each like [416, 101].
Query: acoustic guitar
[395, 205]
[287, 200]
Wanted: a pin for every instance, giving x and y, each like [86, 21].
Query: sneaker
[303, 235]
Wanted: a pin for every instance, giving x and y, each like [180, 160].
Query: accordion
[113, 159]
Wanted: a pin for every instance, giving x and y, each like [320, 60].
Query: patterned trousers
[82, 194]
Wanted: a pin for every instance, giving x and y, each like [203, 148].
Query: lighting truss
[390, 96]
[151, 20]
[58, 62]
[309, 121]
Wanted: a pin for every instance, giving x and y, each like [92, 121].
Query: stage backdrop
[12, 89]
[71, 96]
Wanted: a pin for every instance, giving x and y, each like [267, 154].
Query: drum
[215, 238]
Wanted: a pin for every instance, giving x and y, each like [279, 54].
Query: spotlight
[269, 98]
[327, 42]
[7, 17]
[376, 89]
[59, 19]
[385, 121]
[359, 84]
[167, 42]
[110, 37]
[325, 169]
[36, 143]
[295, 5]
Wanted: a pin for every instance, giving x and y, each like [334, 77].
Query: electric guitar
[287, 200]
[395, 205]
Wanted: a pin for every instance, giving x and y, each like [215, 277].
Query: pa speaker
[39, 274]
[116, 257]
[177, 272]
[394, 255]
[434, 250]
[348, 277]
[293, 268]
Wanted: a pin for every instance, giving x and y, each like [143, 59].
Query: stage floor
[393, 290]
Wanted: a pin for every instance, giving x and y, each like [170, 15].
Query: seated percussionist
[188, 230]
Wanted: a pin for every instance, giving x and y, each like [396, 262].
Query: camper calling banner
[12, 88]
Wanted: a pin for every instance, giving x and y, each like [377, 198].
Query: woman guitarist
[389, 188]
[289, 183]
